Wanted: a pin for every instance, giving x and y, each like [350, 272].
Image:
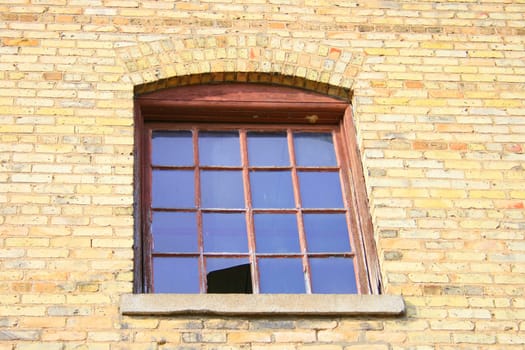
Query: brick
[438, 108]
[243, 337]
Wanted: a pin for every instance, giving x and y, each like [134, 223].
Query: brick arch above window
[239, 57]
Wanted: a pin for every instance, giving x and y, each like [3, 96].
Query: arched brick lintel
[258, 58]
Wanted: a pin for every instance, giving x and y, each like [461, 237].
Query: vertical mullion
[248, 211]
[299, 213]
[196, 164]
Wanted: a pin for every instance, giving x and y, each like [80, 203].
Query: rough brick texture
[438, 89]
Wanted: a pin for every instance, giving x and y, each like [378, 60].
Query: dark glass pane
[280, 275]
[222, 189]
[314, 149]
[326, 232]
[176, 275]
[268, 149]
[219, 148]
[272, 189]
[228, 275]
[333, 275]
[172, 148]
[320, 190]
[276, 233]
[173, 189]
[174, 232]
[224, 232]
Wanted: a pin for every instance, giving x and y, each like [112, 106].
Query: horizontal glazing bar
[266, 255]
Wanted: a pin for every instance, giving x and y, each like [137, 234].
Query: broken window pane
[228, 275]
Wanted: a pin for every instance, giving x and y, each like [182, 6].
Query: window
[250, 188]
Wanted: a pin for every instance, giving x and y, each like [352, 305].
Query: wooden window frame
[273, 107]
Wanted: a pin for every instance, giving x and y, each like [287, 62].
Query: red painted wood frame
[263, 108]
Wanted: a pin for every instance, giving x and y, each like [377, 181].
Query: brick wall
[438, 89]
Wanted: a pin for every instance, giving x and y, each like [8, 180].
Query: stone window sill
[261, 304]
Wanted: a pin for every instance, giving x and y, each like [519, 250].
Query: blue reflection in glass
[281, 275]
[173, 189]
[272, 189]
[219, 148]
[213, 264]
[224, 232]
[314, 149]
[268, 149]
[172, 148]
[176, 275]
[222, 189]
[174, 232]
[326, 233]
[320, 190]
[333, 275]
[276, 233]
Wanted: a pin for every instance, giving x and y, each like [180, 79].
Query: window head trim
[241, 103]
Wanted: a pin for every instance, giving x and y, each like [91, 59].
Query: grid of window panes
[270, 199]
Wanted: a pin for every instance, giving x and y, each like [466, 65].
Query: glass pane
[228, 275]
[320, 190]
[272, 189]
[326, 233]
[219, 148]
[333, 275]
[174, 232]
[172, 148]
[314, 149]
[280, 275]
[222, 189]
[173, 189]
[268, 149]
[276, 233]
[224, 232]
[176, 275]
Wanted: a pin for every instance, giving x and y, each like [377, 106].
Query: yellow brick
[433, 203]
[43, 299]
[410, 192]
[493, 194]
[448, 193]
[252, 336]
[437, 45]
[503, 103]
[27, 242]
[381, 51]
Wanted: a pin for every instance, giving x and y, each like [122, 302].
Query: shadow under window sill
[262, 304]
